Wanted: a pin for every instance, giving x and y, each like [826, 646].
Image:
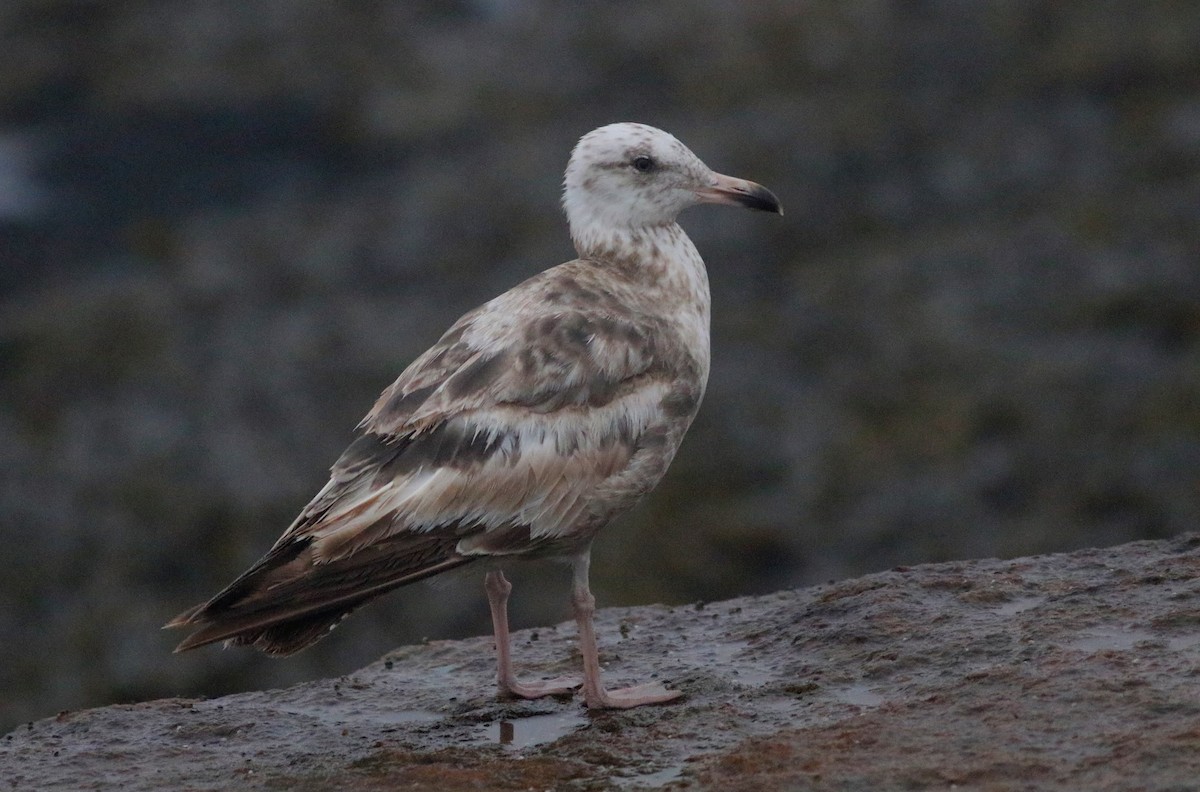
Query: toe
[636, 696]
[560, 686]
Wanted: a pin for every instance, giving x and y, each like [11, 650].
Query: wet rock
[1064, 672]
[226, 226]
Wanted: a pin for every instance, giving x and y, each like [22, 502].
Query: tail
[288, 600]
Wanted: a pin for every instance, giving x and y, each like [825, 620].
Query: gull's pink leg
[593, 688]
[498, 589]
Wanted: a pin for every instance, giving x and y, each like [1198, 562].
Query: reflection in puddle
[534, 730]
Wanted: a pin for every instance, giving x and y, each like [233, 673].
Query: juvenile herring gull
[534, 421]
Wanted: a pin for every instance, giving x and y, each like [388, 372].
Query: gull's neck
[660, 257]
[664, 264]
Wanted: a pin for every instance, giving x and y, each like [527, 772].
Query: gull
[533, 421]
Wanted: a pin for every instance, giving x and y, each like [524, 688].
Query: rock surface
[226, 226]
[1077, 671]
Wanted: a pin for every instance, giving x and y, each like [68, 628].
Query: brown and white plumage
[526, 428]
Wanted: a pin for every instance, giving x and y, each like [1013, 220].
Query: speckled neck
[666, 266]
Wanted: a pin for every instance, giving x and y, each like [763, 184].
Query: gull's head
[624, 177]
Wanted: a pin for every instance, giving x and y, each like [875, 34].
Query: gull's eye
[644, 164]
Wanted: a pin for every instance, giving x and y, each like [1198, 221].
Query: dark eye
[643, 164]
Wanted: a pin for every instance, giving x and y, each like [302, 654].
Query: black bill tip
[760, 198]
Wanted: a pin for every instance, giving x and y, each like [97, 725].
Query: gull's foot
[559, 686]
[636, 696]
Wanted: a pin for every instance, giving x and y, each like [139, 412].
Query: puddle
[650, 780]
[1117, 639]
[749, 676]
[739, 671]
[341, 714]
[1018, 605]
[858, 695]
[534, 730]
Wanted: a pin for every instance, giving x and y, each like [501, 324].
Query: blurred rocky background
[226, 226]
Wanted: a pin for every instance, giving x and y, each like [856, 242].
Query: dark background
[226, 226]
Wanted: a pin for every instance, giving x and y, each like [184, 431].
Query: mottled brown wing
[492, 435]
[483, 445]
[568, 358]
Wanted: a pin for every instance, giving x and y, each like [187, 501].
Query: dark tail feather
[279, 639]
[286, 602]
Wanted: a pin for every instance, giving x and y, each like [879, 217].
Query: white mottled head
[625, 177]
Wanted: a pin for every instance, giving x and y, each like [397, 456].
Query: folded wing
[503, 438]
